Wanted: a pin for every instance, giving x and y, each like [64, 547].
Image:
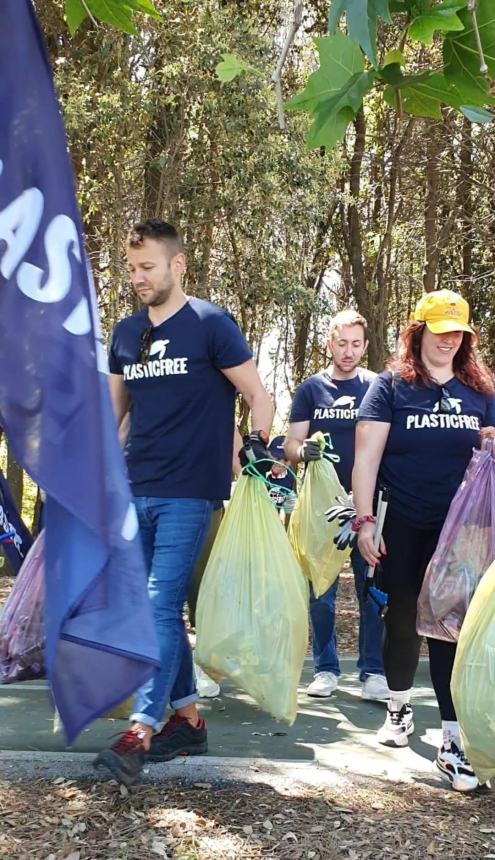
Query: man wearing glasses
[176, 366]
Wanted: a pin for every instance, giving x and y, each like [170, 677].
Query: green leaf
[477, 114]
[146, 7]
[394, 58]
[423, 95]
[340, 59]
[441, 19]
[231, 67]
[329, 129]
[75, 14]
[361, 16]
[117, 13]
[460, 54]
[333, 115]
[394, 76]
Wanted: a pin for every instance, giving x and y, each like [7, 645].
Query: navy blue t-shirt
[182, 405]
[331, 406]
[427, 451]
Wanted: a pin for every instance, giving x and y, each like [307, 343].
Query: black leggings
[409, 550]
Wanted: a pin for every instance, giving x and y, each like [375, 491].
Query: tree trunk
[15, 478]
[465, 191]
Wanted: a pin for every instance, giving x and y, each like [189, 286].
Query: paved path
[336, 734]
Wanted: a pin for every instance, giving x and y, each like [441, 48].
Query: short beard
[346, 369]
[162, 297]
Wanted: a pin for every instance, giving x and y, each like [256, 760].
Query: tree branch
[276, 78]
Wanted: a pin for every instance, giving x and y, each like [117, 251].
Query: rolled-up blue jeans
[172, 533]
[322, 611]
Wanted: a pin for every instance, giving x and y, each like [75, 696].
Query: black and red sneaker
[125, 759]
[178, 737]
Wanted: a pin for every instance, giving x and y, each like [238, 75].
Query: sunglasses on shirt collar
[145, 342]
[444, 404]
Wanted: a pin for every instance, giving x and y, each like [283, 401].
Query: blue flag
[17, 548]
[54, 400]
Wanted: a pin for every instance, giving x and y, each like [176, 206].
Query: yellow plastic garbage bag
[252, 613]
[473, 679]
[310, 534]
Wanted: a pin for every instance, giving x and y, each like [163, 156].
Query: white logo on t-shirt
[440, 418]
[454, 403]
[345, 402]
[343, 409]
[159, 348]
[156, 367]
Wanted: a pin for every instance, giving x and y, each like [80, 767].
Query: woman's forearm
[370, 445]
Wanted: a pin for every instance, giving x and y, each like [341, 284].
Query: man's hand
[254, 448]
[310, 450]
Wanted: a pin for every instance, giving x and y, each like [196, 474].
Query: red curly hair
[467, 367]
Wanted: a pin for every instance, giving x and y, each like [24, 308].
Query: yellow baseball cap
[443, 311]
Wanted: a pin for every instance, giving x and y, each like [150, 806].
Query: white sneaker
[206, 686]
[452, 763]
[323, 685]
[375, 689]
[396, 728]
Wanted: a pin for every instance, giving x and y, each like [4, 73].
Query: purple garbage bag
[21, 621]
[465, 551]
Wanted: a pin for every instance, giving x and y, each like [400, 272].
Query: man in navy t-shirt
[175, 366]
[329, 402]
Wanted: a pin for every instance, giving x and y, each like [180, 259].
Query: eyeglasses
[444, 404]
[145, 344]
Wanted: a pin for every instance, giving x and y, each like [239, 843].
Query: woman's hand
[487, 432]
[366, 536]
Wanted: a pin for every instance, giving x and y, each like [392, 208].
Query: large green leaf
[333, 115]
[424, 95]
[75, 14]
[340, 59]
[144, 6]
[361, 17]
[461, 60]
[442, 18]
[329, 128]
[116, 13]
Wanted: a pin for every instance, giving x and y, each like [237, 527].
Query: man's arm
[119, 396]
[296, 434]
[245, 378]
[236, 463]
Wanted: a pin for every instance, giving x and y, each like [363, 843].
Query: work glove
[254, 448]
[345, 514]
[310, 450]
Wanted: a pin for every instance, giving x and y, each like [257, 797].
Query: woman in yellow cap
[417, 426]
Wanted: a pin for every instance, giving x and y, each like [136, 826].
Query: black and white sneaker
[397, 727]
[453, 764]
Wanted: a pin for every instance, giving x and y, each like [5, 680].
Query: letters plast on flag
[310, 534]
[252, 614]
[465, 550]
[473, 679]
[54, 400]
[22, 635]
